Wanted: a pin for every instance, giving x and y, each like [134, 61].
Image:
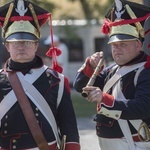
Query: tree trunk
[86, 8]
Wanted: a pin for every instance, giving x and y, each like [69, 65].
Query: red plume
[54, 52]
[57, 67]
[50, 52]
[106, 27]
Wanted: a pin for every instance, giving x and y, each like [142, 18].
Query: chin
[120, 63]
[21, 61]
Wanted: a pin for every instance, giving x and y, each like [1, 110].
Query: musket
[94, 75]
[145, 127]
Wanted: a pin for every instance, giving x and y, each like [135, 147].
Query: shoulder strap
[117, 93]
[137, 74]
[41, 103]
[6, 104]
[120, 73]
[27, 111]
[61, 88]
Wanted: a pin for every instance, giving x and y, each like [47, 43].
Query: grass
[82, 107]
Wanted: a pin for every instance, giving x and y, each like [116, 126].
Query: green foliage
[46, 4]
[93, 8]
[2, 2]
[82, 107]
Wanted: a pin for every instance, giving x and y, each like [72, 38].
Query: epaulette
[50, 71]
[147, 64]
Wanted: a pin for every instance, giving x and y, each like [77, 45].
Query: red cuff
[107, 100]
[88, 71]
[72, 146]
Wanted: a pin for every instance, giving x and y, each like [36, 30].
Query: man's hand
[94, 59]
[94, 94]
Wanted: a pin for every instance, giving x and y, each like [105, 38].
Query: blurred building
[82, 38]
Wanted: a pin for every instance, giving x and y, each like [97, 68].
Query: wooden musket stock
[94, 75]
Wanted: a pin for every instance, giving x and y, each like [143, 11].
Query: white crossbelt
[41, 103]
[123, 123]
[117, 93]
[10, 99]
[120, 73]
[35, 97]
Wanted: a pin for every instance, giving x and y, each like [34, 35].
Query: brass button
[5, 124]
[36, 114]
[48, 74]
[14, 147]
[117, 115]
[5, 132]
[36, 109]
[107, 115]
[14, 141]
[110, 122]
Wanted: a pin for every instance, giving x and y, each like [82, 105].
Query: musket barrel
[94, 75]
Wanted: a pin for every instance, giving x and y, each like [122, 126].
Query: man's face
[125, 51]
[22, 51]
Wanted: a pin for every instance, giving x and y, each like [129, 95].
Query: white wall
[87, 34]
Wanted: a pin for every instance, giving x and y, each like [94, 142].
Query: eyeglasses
[27, 44]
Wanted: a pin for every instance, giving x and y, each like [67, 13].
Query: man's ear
[7, 46]
[37, 45]
[139, 44]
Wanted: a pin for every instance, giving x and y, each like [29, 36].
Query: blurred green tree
[94, 8]
[47, 4]
[87, 9]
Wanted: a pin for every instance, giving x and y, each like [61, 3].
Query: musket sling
[27, 111]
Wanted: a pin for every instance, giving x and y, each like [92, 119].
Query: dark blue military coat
[137, 105]
[14, 131]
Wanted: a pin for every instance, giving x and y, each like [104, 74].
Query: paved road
[88, 138]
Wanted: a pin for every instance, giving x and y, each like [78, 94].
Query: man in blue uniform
[46, 91]
[122, 90]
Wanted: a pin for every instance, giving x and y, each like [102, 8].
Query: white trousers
[121, 144]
